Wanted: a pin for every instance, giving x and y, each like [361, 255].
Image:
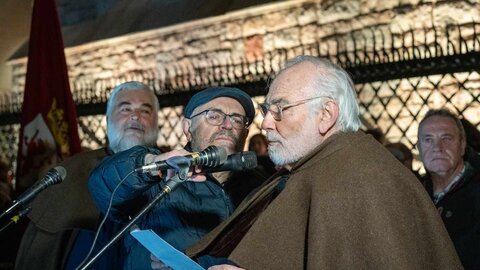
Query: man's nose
[227, 123]
[135, 115]
[268, 122]
[438, 145]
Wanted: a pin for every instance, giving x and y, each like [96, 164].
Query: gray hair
[115, 139]
[131, 85]
[333, 81]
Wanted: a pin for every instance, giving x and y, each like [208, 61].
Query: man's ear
[186, 123]
[327, 117]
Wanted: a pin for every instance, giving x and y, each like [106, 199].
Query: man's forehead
[127, 96]
[292, 82]
[439, 124]
[279, 92]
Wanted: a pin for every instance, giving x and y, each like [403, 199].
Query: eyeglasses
[217, 117]
[277, 109]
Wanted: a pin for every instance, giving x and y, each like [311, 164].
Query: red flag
[49, 129]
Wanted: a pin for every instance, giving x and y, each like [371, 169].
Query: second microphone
[212, 156]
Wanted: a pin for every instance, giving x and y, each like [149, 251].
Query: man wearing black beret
[217, 116]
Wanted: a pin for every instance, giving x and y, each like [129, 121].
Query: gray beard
[117, 142]
[291, 150]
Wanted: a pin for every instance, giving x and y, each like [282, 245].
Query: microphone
[53, 176]
[236, 162]
[211, 156]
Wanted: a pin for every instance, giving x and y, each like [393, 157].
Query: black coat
[460, 212]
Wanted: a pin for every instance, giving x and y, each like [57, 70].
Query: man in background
[63, 217]
[259, 144]
[403, 154]
[453, 184]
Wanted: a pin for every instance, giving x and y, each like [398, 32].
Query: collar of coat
[329, 146]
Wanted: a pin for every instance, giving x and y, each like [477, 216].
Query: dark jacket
[181, 218]
[63, 221]
[460, 212]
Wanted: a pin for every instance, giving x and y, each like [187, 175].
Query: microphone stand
[171, 184]
[16, 217]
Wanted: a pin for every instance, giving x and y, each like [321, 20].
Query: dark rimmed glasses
[277, 109]
[217, 117]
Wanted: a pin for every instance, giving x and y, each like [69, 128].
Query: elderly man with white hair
[64, 217]
[342, 200]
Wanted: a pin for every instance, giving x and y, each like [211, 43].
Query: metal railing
[411, 68]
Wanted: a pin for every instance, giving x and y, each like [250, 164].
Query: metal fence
[398, 76]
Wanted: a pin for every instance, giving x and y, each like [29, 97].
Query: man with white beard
[342, 200]
[64, 218]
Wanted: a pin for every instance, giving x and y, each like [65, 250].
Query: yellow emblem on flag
[59, 127]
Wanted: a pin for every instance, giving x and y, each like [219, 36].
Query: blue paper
[164, 251]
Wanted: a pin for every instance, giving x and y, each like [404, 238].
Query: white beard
[290, 150]
[119, 142]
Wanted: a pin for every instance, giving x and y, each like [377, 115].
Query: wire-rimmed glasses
[217, 117]
[277, 109]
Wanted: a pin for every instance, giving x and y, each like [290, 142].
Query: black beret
[212, 93]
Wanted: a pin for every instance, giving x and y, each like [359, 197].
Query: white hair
[131, 85]
[334, 82]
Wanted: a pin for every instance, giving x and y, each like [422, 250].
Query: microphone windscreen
[211, 156]
[62, 172]
[236, 162]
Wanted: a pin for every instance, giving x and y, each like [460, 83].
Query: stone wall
[166, 54]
